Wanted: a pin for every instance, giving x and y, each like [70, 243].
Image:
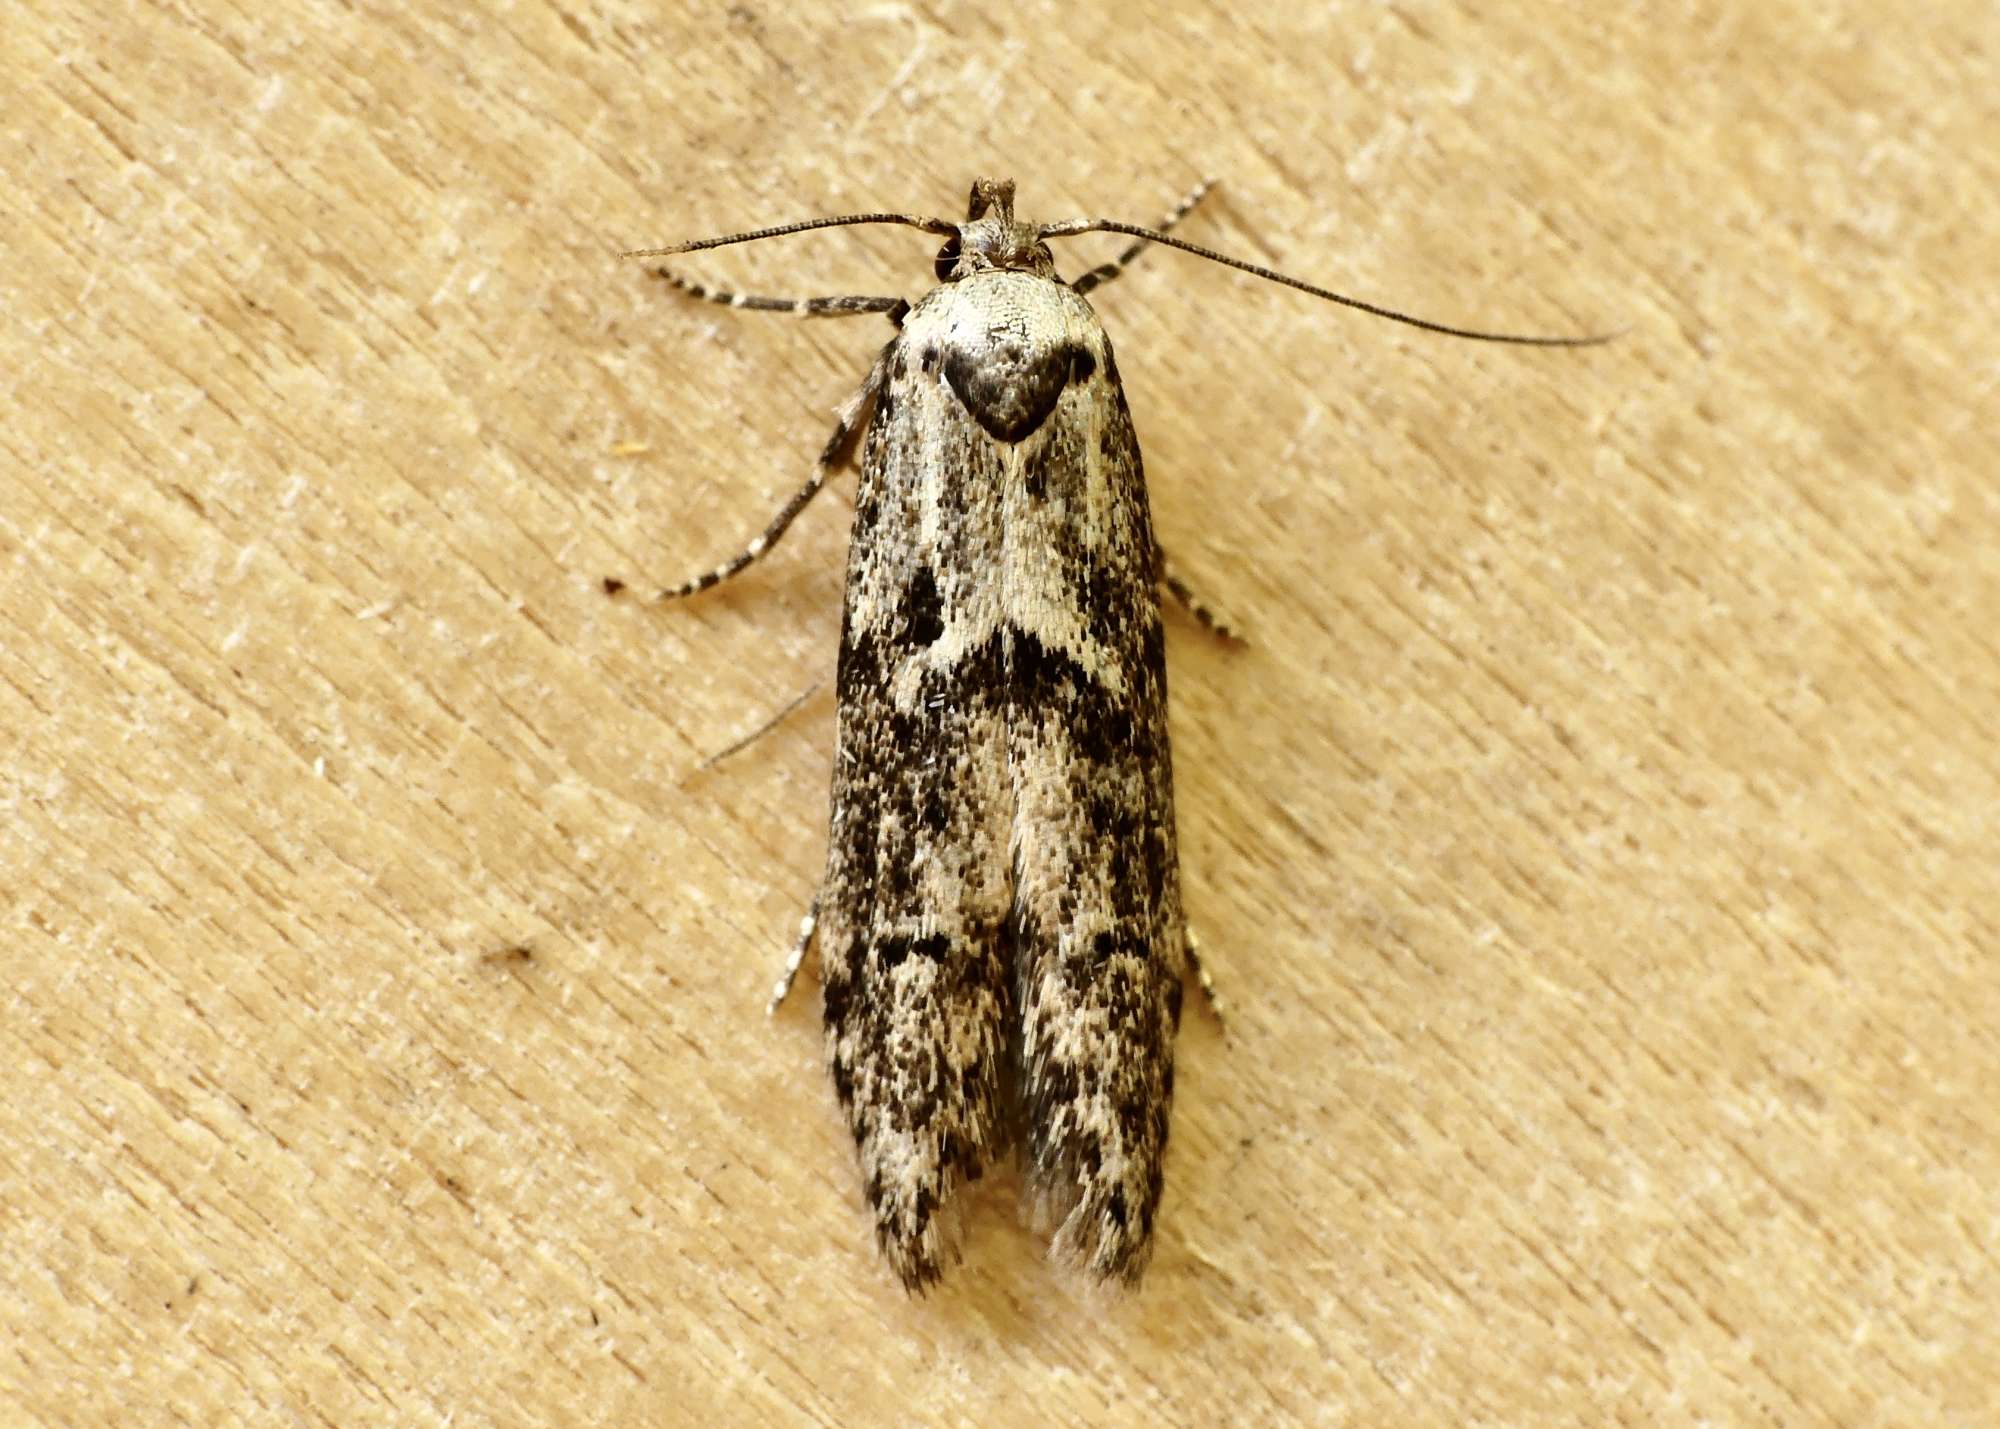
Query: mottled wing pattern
[1097, 931]
[917, 892]
[1002, 901]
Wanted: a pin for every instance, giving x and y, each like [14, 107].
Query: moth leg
[1193, 605]
[1105, 272]
[1200, 970]
[837, 450]
[805, 307]
[807, 926]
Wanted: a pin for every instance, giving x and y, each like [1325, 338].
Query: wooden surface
[1596, 843]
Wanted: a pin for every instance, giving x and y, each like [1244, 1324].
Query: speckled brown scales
[1000, 922]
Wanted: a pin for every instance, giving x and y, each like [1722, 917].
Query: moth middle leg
[1184, 596]
[808, 926]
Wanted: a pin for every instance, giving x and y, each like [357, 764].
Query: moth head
[990, 240]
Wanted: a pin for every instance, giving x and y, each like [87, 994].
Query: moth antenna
[910, 220]
[1075, 226]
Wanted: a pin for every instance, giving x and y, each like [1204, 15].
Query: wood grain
[1596, 842]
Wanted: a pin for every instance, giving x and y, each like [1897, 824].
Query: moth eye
[947, 259]
[1081, 365]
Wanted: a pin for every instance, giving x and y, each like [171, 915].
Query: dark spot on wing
[922, 613]
[1009, 388]
[1114, 1206]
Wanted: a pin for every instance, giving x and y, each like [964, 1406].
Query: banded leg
[1215, 1003]
[1193, 605]
[852, 413]
[1105, 272]
[807, 926]
[805, 307]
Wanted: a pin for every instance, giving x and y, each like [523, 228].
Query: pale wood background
[1597, 844]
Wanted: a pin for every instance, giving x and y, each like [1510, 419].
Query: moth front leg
[1104, 272]
[853, 415]
[836, 307]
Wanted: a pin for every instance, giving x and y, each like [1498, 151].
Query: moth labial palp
[1002, 944]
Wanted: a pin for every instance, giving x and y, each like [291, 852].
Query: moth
[1002, 943]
